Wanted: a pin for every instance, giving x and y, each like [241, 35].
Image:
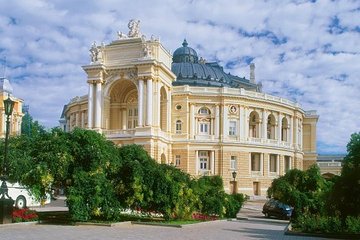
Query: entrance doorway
[256, 187]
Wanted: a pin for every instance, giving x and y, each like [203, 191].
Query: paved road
[255, 227]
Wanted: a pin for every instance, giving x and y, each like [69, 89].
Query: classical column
[90, 105]
[246, 123]
[168, 112]
[192, 121]
[83, 119]
[279, 128]
[212, 162]
[149, 107]
[278, 164]
[225, 121]
[296, 132]
[241, 122]
[71, 120]
[264, 125]
[196, 163]
[217, 122]
[77, 119]
[158, 104]
[291, 131]
[262, 163]
[123, 118]
[98, 110]
[140, 102]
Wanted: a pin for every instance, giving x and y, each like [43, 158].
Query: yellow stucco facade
[17, 114]
[203, 130]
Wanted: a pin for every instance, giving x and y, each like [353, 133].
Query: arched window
[254, 125]
[178, 126]
[271, 127]
[204, 121]
[284, 129]
[204, 111]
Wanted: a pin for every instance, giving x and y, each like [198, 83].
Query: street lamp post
[6, 203]
[234, 173]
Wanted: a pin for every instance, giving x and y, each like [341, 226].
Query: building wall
[15, 118]
[125, 79]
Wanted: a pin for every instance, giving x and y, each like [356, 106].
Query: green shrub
[318, 224]
[233, 203]
[352, 224]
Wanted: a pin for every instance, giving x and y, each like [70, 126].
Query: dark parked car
[277, 209]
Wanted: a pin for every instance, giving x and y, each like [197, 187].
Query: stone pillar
[279, 127]
[123, 120]
[264, 125]
[217, 122]
[225, 121]
[140, 102]
[168, 112]
[77, 119]
[291, 131]
[246, 123]
[196, 163]
[262, 163]
[192, 121]
[71, 120]
[296, 131]
[98, 110]
[90, 105]
[83, 119]
[149, 107]
[158, 104]
[277, 163]
[212, 162]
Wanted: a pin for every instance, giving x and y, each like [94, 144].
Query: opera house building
[189, 113]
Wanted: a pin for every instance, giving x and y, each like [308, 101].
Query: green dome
[185, 54]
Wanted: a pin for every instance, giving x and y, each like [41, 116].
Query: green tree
[344, 200]
[304, 190]
[30, 127]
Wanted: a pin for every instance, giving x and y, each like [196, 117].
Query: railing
[119, 132]
[256, 173]
[204, 172]
[329, 164]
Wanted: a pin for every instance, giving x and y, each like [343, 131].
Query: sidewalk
[58, 205]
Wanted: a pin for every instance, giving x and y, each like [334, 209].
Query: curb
[18, 223]
[156, 224]
[102, 224]
[288, 231]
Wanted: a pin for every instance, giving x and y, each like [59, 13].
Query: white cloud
[303, 50]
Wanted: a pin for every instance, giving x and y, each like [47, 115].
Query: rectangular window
[255, 162]
[232, 128]
[273, 163]
[287, 163]
[204, 128]
[178, 126]
[233, 163]
[135, 112]
[203, 159]
[130, 112]
[177, 160]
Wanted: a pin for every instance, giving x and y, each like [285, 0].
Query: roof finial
[252, 72]
[185, 43]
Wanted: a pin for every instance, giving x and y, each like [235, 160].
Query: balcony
[119, 133]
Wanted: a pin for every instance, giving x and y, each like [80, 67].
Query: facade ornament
[132, 74]
[202, 60]
[121, 35]
[96, 52]
[134, 28]
[147, 51]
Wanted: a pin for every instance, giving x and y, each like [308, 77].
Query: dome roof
[185, 54]
[190, 71]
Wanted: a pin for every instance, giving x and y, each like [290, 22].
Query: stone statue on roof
[134, 28]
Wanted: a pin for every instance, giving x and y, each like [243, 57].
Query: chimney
[252, 72]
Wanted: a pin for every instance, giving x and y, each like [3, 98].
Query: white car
[23, 197]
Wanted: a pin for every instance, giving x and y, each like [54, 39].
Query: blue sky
[308, 51]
